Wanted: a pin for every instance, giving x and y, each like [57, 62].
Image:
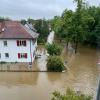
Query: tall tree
[67, 20]
[78, 23]
[42, 27]
[81, 26]
[56, 24]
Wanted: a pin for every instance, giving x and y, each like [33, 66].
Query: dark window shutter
[17, 43]
[18, 55]
[25, 55]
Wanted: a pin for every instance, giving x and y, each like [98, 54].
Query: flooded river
[82, 75]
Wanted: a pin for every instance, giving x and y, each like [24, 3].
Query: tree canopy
[54, 49]
[79, 26]
[42, 27]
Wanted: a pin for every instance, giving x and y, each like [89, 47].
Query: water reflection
[52, 77]
[14, 78]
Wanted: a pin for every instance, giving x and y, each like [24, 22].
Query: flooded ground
[82, 75]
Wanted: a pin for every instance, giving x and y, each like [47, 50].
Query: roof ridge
[29, 31]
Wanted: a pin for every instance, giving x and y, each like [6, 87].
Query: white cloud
[18, 9]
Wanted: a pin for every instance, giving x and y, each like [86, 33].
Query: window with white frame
[21, 42]
[6, 55]
[22, 55]
[5, 43]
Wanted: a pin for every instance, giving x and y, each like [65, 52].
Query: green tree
[30, 20]
[69, 25]
[56, 25]
[66, 17]
[76, 28]
[42, 27]
[23, 21]
[53, 49]
[79, 27]
[4, 19]
[55, 64]
[91, 25]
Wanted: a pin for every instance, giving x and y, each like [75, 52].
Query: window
[24, 43]
[7, 55]
[21, 42]
[22, 55]
[5, 43]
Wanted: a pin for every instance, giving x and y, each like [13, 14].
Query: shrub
[40, 40]
[53, 49]
[55, 64]
[3, 62]
[70, 95]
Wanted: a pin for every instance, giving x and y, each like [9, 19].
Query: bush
[70, 95]
[3, 62]
[40, 40]
[55, 64]
[53, 49]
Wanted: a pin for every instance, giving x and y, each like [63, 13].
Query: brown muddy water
[82, 75]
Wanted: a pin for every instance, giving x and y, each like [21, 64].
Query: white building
[17, 42]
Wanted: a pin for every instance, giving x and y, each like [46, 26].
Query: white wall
[33, 49]
[51, 37]
[13, 51]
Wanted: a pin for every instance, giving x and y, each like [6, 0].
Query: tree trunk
[67, 44]
[76, 45]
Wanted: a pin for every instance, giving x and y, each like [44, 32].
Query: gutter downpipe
[30, 54]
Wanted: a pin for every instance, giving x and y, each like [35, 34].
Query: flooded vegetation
[81, 75]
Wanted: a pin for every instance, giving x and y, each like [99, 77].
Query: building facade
[17, 43]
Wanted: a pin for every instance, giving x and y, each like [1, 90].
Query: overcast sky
[20, 9]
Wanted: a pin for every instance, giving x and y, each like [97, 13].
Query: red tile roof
[14, 30]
